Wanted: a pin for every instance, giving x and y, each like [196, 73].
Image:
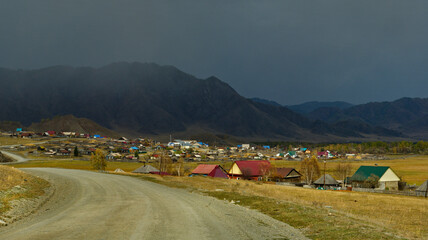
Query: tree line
[378, 147]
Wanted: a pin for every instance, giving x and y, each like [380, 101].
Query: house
[113, 156]
[325, 154]
[123, 139]
[381, 177]
[133, 149]
[49, 133]
[209, 170]
[291, 154]
[249, 169]
[26, 135]
[286, 175]
[146, 169]
[245, 146]
[326, 180]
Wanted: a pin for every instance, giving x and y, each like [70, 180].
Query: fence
[403, 193]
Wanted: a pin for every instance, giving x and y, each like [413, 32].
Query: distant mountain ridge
[265, 101]
[407, 115]
[308, 107]
[148, 99]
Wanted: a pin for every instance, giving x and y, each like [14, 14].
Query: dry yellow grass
[11, 177]
[77, 164]
[5, 140]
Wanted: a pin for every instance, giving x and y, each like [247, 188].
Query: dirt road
[16, 157]
[89, 205]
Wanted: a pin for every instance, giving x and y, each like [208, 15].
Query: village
[247, 161]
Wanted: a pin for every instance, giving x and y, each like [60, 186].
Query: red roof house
[209, 170]
[249, 169]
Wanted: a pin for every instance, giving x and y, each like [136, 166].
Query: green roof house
[381, 177]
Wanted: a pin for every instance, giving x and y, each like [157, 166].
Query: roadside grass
[29, 186]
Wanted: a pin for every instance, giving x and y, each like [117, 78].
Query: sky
[287, 51]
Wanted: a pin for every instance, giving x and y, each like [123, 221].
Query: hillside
[148, 99]
[69, 123]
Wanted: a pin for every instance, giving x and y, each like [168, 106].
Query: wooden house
[249, 169]
[210, 170]
[326, 180]
[381, 177]
[286, 175]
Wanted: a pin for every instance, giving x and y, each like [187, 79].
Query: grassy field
[5, 140]
[77, 164]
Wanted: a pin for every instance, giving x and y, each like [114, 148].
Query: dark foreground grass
[315, 222]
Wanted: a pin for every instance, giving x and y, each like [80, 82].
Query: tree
[76, 151]
[266, 171]
[136, 155]
[310, 169]
[371, 182]
[179, 170]
[246, 173]
[343, 170]
[98, 160]
[165, 163]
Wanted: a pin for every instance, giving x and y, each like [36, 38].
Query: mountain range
[148, 99]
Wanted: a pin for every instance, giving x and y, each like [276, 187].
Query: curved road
[90, 205]
[14, 156]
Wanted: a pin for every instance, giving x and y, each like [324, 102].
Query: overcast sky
[286, 51]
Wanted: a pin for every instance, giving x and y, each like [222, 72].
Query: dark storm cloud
[288, 51]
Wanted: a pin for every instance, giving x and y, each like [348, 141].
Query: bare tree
[179, 167]
[343, 170]
[310, 169]
[246, 173]
[265, 170]
[164, 163]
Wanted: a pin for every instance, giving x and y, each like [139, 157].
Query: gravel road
[15, 157]
[89, 205]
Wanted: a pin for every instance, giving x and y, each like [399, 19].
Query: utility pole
[324, 172]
